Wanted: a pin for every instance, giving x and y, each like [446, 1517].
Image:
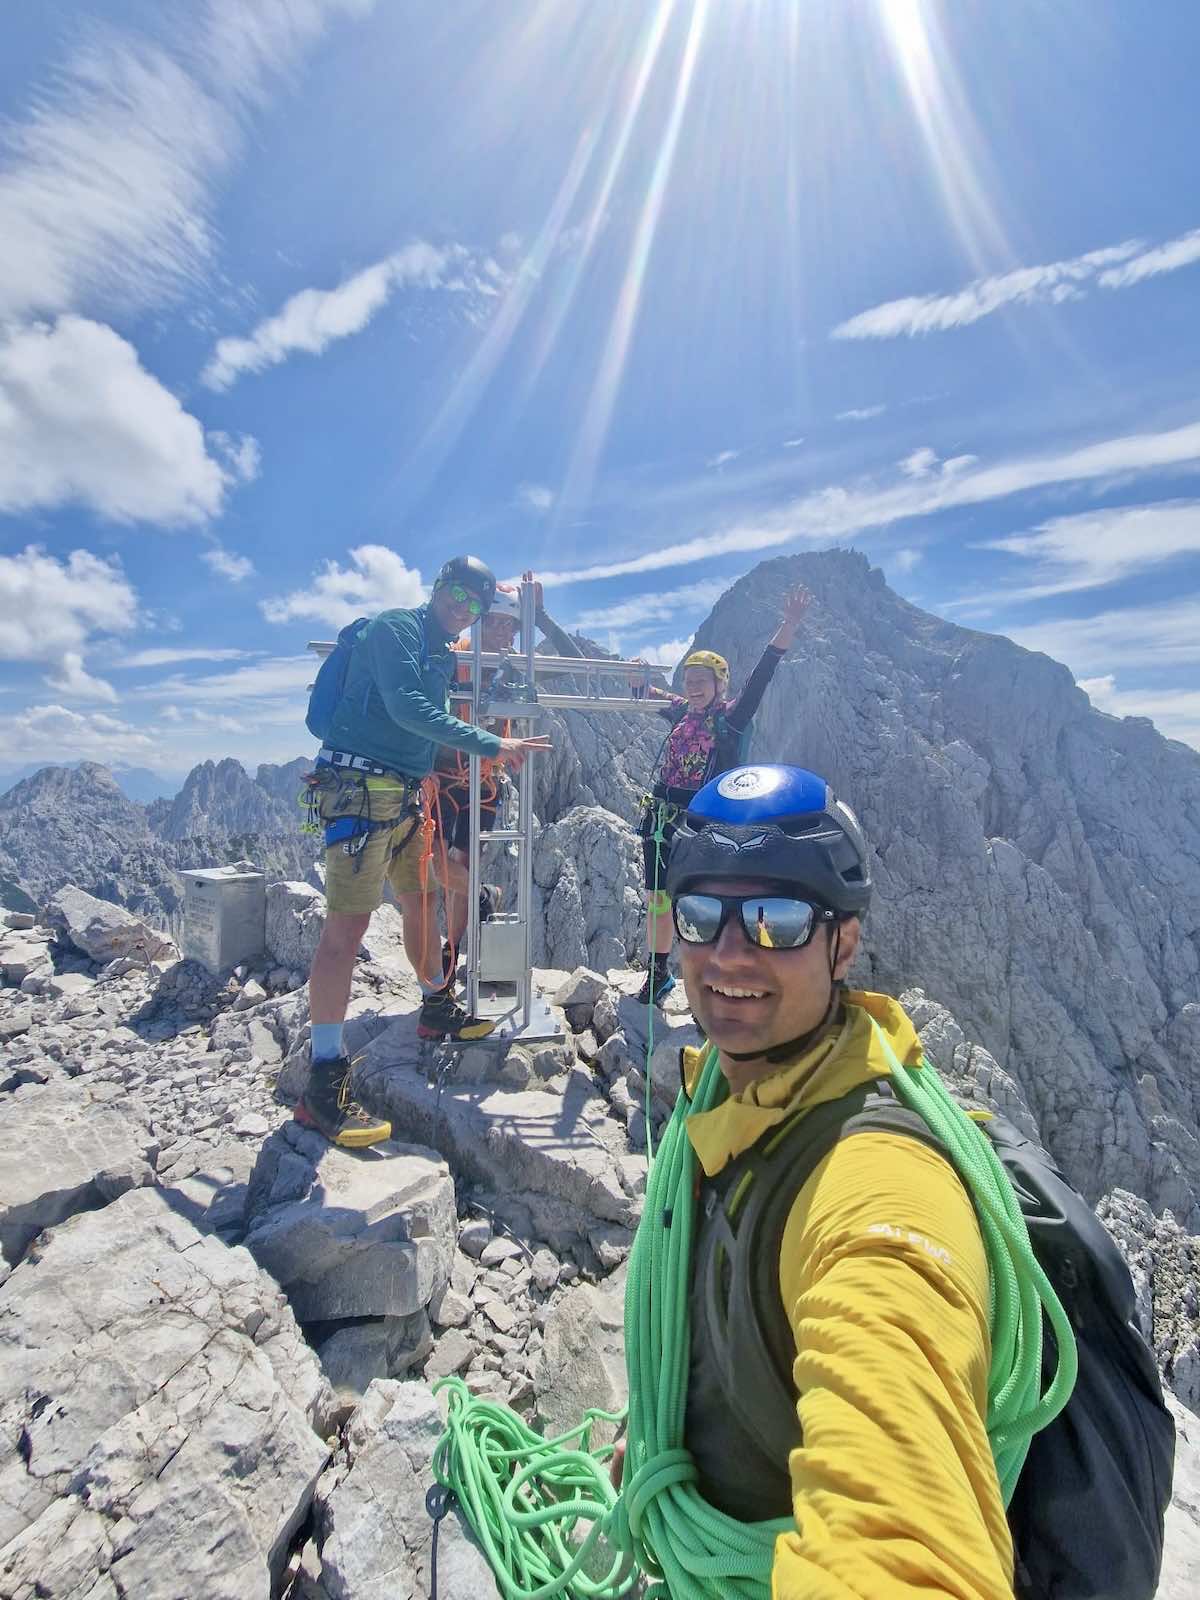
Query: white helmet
[506, 602]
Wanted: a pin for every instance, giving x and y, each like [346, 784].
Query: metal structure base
[542, 1025]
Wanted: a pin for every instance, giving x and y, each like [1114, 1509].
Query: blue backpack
[330, 682]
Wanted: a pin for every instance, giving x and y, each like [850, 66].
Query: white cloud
[668, 654]
[312, 319]
[275, 679]
[860, 414]
[1169, 257]
[105, 190]
[243, 456]
[920, 463]
[227, 564]
[1098, 690]
[1161, 636]
[49, 608]
[377, 580]
[1093, 548]
[1115, 267]
[793, 444]
[246, 44]
[170, 658]
[73, 681]
[904, 560]
[82, 422]
[106, 182]
[535, 496]
[53, 733]
[925, 463]
[838, 511]
[652, 606]
[722, 457]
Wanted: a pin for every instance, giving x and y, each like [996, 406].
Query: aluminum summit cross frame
[499, 955]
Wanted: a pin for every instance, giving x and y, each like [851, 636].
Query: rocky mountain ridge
[1037, 861]
[75, 825]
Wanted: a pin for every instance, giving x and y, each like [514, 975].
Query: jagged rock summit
[1037, 862]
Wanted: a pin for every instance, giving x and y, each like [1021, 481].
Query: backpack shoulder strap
[738, 1245]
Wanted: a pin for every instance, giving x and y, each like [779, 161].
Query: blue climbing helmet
[779, 824]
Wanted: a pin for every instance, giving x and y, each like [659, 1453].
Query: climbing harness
[352, 824]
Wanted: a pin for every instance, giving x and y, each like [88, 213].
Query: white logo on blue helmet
[752, 843]
[748, 783]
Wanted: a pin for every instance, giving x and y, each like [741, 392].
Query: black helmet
[780, 824]
[473, 574]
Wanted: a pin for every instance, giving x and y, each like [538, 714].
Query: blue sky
[298, 297]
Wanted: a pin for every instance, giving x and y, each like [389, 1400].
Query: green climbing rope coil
[546, 1513]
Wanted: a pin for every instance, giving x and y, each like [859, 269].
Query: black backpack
[1087, 1513]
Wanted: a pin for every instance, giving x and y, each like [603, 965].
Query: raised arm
[747, 703]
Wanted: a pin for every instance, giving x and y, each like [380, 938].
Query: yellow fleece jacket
[885, 1281]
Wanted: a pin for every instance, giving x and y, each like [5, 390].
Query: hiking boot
[656, 988]
[326, 1105]
[443, 1018]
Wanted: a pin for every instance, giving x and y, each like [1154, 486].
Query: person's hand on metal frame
[515, 752]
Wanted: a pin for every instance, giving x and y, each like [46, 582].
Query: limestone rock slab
[295, 918]
[558, 1147]
[1180, 1579]
[349, 1233]
[157, 1411]
[376, 1531]
[582, 1361]
[65, 1152]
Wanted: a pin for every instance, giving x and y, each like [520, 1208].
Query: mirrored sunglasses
[464, 597]
[769, 922]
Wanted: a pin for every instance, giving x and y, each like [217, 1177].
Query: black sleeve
[741, 713]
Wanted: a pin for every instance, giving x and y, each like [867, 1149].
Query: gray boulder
[351, 1234]
[375, 1529]
[1180, 1578]
[582, 1362]
[66, 1151]
[295, 918]
[353, 1354]
[20, 957]
[103, 931]
[587, 904]
[157, 1412]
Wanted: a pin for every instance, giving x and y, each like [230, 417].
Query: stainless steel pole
[525, 901]
[473, 845]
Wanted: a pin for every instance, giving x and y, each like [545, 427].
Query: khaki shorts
[354, 883]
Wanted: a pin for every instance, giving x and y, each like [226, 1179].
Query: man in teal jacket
[391, 716]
